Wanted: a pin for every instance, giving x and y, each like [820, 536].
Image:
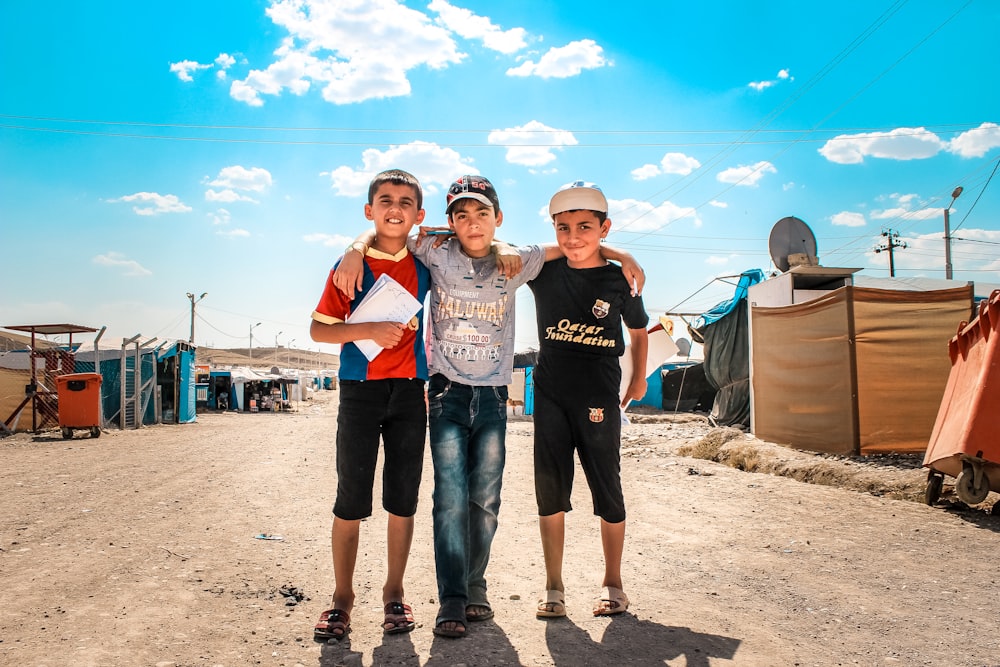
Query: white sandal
[613, 601]
[553, 606]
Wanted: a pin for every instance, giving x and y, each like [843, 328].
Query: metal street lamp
[251, 340]
[947, 232]
[288, 351]
[276, 345]
[194, 301]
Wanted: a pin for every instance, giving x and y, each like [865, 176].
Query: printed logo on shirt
[413, 324]
[596, 415]
[580, 333]
[600, 309]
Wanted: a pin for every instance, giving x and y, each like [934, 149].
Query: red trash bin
[79, 403]
[965, 442]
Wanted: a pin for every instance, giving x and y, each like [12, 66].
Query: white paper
[386, 301]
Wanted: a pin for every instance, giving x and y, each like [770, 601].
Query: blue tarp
[747, 278]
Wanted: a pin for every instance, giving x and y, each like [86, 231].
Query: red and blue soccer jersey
[408, 359]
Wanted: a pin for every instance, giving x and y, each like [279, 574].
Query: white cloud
[328, 240]
[156, 203]
[746, 175]
[782, 75]
[718, 204]
[353, 51]
[233, 233]
[225, 61]
[716, 260]
[470, 26]
[564, 61]
[790, 185]
[848, 219]
[645, 172]
[678, 163]
[904, 143]
[236, 177]
[531, 144]
[220, 217]
[905, 207]
[227, 196]
[639, 216]
[184, 68]
[906, 214]
[118, 260]
[433, 165]
[671, 163]
[976, 142]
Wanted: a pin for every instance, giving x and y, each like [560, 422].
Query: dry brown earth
[139, 548]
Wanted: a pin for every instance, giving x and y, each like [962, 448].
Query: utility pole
[947, 232]
[251, 340]
[194, 301]
[892, 242]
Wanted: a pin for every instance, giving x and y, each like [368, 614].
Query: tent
[723, 333]
[858, 370]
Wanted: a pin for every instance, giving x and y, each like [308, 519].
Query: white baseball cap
[578, 196]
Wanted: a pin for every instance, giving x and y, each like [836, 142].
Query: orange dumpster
[965, 442]
[79, 403]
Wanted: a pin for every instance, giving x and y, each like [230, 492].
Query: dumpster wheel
[95, 431]
[932, 493]
[965, 485]
[67, 433]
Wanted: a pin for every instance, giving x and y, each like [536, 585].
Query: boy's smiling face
[394, 212]
[475, 225]
[579, 235]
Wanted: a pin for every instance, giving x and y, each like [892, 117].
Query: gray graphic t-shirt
[472, 312]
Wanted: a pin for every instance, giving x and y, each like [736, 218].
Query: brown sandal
[398, 618]
[333, 624]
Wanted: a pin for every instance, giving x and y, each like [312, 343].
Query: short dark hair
[601, 215]
[396, 177]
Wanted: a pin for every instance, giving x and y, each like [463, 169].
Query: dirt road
[141, 548]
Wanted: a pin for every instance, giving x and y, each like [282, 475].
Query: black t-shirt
[580, 311]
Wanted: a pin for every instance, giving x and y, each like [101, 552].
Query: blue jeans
[467, 431]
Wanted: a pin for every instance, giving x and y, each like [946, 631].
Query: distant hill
[263, 357]
[266, 357]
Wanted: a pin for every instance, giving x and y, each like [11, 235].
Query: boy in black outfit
[580, 303]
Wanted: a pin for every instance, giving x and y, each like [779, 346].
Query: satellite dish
[791, 237]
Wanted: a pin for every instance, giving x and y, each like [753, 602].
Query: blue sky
[149, 150]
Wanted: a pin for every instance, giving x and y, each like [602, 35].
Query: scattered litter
[292, 594]
[692, 471]
[267, 536]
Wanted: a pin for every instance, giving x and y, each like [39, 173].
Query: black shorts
[395, 411]
[572, 417]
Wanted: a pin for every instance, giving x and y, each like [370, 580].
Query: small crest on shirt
[413, 324]
[600, 308]
[596, 415]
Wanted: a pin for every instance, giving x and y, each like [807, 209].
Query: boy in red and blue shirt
[379, 399]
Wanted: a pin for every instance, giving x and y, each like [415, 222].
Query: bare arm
[351, 271]
[385, 334]
[508, 258]
[634, 274]
[638, 348]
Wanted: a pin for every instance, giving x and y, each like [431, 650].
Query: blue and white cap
[578, 196]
